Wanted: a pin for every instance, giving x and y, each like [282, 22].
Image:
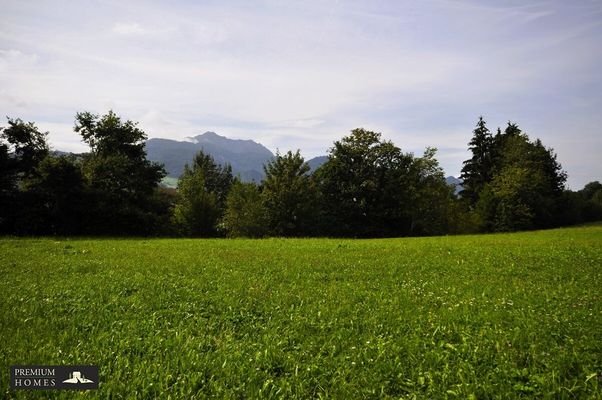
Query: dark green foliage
[367, 187]
[290, 196]
[7, 189]
[590, 190]
[518, 183]
[117, 163]
[22, 148]
[26, 144]
[582, 206]
[592, 202]
[478, 170]
[528, 183]
[112, 190]
[218, 179]
[596, 200]
[433, 198]
[371, 188]
[108, 135]
[245, 214]
[58, 188]
[515, 191]
[121, 181]
[196, 211]
[202, 192]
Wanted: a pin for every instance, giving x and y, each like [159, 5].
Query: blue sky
[301, 74]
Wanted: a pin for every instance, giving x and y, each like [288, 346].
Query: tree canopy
[202, 192]
[120, 179]
[289, 196]
[513, 182]
[368, 187]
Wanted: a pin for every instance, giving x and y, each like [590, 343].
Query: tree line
[368, 187]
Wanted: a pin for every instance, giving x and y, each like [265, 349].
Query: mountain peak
[210, 134]
[245, 156]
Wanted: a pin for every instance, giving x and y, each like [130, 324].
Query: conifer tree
[477, 170]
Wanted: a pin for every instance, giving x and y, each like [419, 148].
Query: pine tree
[477, 171]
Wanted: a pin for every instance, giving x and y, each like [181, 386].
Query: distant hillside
[245, 156]
[455, 182]
[316, 162]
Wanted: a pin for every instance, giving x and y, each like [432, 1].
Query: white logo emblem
[77, 377]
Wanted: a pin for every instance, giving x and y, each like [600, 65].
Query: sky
[302, 74]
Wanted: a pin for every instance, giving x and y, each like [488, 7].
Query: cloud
[303, 74]
[304, 123]
[13, 59]
[131, 28]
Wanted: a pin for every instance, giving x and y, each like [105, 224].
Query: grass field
[491, 316]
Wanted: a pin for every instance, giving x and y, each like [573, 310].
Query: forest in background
[368, 187]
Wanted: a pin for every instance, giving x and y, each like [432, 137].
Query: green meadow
[498, 316]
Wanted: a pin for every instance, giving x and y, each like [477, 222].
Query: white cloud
[303, 123]
[130, 28]
[302, 74]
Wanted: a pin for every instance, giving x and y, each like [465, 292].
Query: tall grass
[491, 316]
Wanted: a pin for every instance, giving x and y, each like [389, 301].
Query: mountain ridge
[245, 156]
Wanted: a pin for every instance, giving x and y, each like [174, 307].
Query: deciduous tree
[290, 196]
[245, 215]
[367, 186]
[120, 180]
[202, 192]
[22, 147]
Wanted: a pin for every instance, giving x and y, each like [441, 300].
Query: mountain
[455, 182]
[316, 162]
[245, 156]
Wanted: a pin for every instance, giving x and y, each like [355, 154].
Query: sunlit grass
[492, 316]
